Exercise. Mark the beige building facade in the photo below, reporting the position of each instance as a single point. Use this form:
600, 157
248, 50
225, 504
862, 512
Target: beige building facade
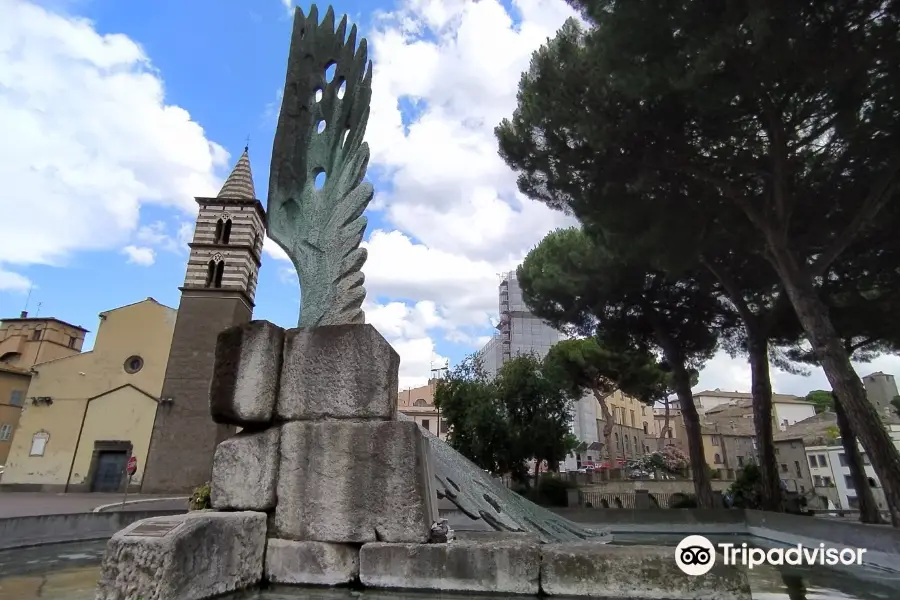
24, 342
793, 465
27, 341
418, 404
636, 429
13, 387
86, 415
786, 409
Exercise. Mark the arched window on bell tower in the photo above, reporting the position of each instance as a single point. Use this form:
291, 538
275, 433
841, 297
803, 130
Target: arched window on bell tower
210, 273
223, 231
215, 270
220, 271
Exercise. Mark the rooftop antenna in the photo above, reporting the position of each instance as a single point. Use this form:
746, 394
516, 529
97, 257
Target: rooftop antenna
38, 313
27, 300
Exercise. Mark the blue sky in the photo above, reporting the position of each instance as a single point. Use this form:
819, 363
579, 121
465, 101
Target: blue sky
115, 114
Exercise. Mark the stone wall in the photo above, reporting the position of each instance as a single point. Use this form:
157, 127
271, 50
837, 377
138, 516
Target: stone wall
679, 486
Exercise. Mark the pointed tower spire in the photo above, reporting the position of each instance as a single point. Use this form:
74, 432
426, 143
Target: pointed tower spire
239, 185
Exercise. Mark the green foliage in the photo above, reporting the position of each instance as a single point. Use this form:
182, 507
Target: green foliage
537, 409
823, 401
753, 138
500, 424
478, 426
200, 498
745, 492
575, 282
896, 404
593, 365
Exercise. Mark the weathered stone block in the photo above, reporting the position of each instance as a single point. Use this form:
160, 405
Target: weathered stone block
311, 563
245, 378
245, 471
507, 567
185, 557
634, 572
338, 371
353, 482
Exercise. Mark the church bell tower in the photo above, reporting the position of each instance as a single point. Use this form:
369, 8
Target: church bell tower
218, 292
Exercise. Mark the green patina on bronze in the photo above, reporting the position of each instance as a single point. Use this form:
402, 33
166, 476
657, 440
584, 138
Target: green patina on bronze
321, 229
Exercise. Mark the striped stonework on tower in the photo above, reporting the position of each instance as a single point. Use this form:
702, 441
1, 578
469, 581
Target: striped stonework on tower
228, 238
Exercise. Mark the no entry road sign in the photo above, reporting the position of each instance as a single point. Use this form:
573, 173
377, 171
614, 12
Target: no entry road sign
132, 465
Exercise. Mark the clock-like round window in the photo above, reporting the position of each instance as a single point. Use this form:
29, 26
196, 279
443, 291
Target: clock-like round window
133, 364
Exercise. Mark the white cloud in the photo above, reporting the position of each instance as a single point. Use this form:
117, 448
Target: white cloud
139, 255
87, 139
13, 282
157, 235
409, 329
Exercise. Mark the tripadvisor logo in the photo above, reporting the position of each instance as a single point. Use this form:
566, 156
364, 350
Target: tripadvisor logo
696, 555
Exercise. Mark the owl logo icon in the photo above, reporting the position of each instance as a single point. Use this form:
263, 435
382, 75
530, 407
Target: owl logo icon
695, 555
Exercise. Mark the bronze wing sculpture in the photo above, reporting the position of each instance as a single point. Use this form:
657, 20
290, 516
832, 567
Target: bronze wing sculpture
320, 135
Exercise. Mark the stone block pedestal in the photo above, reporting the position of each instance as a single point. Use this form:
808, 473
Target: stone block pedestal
311, 563
245, 471
504, 566
354, 482
635, 572
338, 372
184, 557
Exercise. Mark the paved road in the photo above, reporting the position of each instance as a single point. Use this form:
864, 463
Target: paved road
25, 504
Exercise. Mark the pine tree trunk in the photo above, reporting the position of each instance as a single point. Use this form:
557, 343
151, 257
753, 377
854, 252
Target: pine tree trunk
681, 380
702, 482
666, 419
761, 389
868, 508
846, 384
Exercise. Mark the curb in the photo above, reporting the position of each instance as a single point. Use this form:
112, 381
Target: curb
106, 507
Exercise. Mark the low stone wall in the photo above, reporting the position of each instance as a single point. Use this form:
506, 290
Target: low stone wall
676, 486
20, 532
669, 521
